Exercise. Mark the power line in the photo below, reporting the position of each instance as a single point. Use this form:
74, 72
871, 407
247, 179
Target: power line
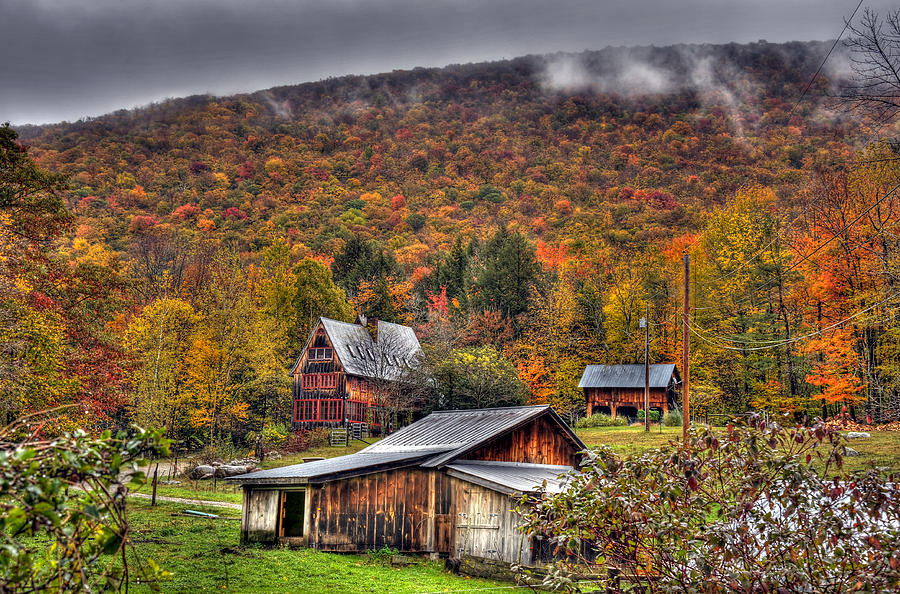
822, 65
695, 329
822, 245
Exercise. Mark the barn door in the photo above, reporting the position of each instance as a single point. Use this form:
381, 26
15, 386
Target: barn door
477, 525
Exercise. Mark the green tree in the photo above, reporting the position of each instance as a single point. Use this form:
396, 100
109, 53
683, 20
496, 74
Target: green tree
478, 377
505, 272
159, 340
315, 295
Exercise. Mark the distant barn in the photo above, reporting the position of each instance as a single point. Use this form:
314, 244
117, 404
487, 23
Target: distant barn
338, 374
448, 484
619, 389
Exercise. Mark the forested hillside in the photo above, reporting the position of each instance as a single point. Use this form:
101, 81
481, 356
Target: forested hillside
520, 214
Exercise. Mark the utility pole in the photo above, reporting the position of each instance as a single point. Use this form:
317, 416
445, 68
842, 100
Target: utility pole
686, 350
646, 323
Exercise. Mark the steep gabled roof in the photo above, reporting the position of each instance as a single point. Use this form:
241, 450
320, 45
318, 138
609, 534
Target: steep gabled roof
396, 347
435, 441
627, 376
457, 432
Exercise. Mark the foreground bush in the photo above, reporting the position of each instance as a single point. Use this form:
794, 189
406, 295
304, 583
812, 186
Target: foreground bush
749, 510
601, 420
62, 508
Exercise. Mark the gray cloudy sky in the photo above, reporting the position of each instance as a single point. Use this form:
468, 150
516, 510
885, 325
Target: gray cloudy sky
66, 59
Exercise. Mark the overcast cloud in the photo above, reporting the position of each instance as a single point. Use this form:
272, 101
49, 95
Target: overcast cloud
67, 59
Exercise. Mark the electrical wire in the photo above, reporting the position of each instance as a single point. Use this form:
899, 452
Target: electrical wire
822, 65
694, 329
822, 246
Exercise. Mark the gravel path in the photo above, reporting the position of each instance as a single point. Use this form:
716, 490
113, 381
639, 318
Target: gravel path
188, 501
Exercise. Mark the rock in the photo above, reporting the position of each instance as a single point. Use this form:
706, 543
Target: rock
273, 456
851, 452
401, 560
227, 470
857, 435
169, 482
202, 472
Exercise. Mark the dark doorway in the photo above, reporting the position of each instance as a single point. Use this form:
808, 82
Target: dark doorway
293, 508
627, 411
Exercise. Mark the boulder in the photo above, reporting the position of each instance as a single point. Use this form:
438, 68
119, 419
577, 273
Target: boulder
858, 435
227, 470
851, 452
204, 471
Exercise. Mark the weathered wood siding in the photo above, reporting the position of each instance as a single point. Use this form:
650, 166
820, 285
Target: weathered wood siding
539, 442
406, 509
259, 520
486, 525
614, 398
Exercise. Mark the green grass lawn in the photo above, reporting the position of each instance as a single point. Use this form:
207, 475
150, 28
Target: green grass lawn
204, 555
882, 449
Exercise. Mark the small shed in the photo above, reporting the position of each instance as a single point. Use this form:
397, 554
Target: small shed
449, 483
619, 389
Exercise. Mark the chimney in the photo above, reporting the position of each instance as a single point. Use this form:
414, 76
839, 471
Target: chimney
372, 327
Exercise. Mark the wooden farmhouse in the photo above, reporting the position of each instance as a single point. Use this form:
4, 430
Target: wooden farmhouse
337, 377
619, 389
446, 484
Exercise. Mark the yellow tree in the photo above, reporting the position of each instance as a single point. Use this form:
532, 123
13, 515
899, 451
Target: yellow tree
234, 368
159, 340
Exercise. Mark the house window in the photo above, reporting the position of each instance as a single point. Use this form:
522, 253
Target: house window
321, 354
320, 381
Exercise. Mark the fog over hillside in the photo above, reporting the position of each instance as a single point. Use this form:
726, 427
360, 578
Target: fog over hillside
64, 60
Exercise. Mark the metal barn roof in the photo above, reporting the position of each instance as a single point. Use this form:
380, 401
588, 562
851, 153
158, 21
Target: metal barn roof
460, 431
438, 439
396, 347
627, 376
339, 467
514, 478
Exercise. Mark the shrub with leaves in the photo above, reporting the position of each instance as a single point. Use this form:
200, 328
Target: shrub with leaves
62, 509
755, 509
672, 419
600, 420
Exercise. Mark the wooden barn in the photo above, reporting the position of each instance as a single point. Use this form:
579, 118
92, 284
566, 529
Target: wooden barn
446, 484
337, 376
619, 389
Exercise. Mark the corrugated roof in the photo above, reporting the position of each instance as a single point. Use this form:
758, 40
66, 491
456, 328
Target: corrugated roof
396, 347
514, 478
627, 376
476, 427
451, 429
459, 431
341, 466
434, 441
